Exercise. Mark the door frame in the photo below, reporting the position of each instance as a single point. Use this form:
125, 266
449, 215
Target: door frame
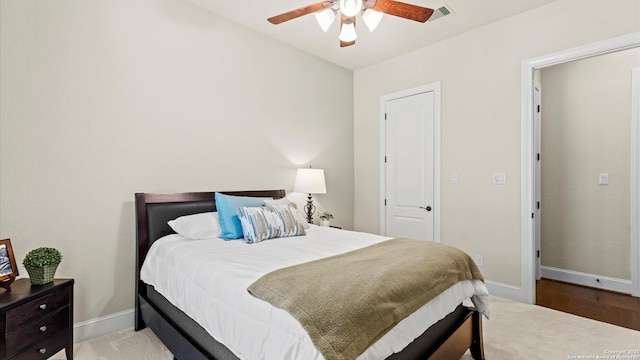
437, 107
635, 182
629, 41
537, 137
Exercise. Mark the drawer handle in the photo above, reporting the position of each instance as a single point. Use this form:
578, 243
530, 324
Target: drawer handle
43, 306
42, 351
43, 328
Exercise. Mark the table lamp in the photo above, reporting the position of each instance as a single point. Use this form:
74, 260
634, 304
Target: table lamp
310, 181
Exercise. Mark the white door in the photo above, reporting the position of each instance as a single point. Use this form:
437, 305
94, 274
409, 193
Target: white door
409, 166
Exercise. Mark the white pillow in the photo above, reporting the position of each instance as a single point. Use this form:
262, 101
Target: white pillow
197, 226
285, 201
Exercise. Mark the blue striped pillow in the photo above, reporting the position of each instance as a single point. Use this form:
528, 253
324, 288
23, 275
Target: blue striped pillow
261, 223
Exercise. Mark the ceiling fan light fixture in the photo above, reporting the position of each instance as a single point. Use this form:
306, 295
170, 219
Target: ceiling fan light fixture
350, 7
327, 10
371, 18
348, 31
325, 18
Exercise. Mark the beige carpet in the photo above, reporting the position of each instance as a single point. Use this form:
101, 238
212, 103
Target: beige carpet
521, 331
515, 331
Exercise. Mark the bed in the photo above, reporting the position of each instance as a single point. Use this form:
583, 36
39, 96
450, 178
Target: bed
448, 337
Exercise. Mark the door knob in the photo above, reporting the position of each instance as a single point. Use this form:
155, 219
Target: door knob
428, 208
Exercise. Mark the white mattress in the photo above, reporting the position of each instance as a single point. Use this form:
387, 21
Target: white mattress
208, 280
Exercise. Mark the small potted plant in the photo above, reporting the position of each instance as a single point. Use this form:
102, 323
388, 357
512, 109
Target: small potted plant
325, 218
41, 264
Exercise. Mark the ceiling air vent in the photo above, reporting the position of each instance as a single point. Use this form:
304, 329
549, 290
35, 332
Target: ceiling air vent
441, 12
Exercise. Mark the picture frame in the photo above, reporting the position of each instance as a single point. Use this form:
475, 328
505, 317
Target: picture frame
8, 267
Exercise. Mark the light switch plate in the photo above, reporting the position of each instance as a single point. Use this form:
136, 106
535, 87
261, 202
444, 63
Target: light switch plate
499, 178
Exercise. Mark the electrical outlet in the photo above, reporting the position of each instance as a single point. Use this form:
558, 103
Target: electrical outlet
603, 179
479, 260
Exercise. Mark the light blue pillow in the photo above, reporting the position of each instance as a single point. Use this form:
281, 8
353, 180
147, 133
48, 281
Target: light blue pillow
229, 221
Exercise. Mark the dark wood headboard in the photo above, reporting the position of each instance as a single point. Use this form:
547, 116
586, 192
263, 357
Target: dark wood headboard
154, 210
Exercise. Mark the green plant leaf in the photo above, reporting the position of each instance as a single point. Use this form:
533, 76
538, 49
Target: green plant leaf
42, 256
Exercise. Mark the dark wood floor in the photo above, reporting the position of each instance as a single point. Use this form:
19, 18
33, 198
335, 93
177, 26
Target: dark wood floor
607, 306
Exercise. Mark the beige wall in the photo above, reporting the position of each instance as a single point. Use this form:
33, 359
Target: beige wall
100, 99
481, 115
586, 129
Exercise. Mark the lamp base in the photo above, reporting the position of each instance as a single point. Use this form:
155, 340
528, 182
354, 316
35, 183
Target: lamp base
309, 209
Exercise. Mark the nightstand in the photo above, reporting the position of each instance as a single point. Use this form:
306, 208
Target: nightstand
36, 321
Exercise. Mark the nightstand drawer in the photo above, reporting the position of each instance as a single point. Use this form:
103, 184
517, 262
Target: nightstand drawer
37, 331
45, 348
35, 309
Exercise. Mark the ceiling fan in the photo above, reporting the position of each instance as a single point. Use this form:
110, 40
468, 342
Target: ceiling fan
370, 10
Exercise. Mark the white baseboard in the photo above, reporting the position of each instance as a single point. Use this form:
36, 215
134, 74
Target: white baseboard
596, 281
505, 291
103, 325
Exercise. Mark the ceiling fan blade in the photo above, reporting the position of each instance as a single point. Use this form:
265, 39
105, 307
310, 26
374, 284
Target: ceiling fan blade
342, 19
278, 19
403, 10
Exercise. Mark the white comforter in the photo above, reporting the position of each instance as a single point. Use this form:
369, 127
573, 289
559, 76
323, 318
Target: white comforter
208, 280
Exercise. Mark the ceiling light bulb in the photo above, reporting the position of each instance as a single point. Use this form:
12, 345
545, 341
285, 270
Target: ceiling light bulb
325, 18
350, 7
348, 31
371, 18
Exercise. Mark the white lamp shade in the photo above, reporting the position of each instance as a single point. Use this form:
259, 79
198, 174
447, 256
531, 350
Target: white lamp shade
350, 7
371, 18
310, 181
325, 18
348, 31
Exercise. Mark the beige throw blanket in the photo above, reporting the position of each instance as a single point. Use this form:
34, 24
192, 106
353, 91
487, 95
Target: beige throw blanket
347, 302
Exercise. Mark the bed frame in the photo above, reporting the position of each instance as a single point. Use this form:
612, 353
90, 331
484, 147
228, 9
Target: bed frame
447, 339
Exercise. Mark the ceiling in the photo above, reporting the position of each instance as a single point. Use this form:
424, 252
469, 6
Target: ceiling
394, 36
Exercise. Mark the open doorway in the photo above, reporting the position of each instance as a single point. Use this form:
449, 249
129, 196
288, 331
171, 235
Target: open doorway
529, 201
583, 187
583, 173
